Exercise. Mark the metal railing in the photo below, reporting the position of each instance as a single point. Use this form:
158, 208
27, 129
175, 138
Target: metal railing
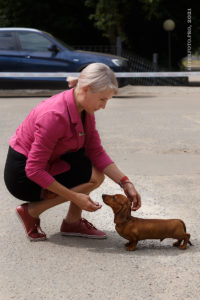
137, 64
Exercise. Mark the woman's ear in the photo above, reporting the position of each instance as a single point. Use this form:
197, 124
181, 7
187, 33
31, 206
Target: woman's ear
85, 88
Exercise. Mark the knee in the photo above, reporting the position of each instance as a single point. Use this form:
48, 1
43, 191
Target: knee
97, 179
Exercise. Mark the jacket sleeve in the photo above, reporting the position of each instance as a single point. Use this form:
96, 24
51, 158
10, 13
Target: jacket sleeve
48, 129
94, 149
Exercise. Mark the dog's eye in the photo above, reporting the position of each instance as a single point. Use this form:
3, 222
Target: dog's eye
114, 198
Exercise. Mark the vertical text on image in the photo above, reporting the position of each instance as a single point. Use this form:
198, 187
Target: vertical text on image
189, 39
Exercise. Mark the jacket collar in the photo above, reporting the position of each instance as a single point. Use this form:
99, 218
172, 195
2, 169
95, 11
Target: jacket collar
72, 108
74, 115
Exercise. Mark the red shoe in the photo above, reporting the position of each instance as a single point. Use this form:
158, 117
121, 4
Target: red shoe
31, 225
81, 228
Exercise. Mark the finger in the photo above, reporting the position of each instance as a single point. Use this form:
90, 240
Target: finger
93, 202
96, 204
95, 207
139, 200
134, 203
132, 206
137, 203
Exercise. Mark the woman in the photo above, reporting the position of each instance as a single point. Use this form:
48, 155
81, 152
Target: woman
56, 156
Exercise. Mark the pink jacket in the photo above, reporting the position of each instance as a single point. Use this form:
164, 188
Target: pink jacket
51, 129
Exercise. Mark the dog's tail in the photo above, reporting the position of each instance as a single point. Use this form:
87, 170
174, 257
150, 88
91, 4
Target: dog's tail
185, 232
183, 225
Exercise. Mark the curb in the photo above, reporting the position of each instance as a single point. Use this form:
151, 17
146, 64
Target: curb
127, 91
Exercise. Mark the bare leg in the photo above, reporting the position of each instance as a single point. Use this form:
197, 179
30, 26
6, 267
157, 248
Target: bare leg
74, 212
36, 208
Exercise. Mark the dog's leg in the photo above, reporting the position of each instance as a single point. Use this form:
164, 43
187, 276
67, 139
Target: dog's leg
131, 245
177, 243
186, 240
127, 244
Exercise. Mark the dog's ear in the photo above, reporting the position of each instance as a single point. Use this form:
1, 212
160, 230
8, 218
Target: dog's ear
122, 215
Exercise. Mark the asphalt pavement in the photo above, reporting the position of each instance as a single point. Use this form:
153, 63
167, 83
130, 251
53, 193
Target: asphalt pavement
153, 134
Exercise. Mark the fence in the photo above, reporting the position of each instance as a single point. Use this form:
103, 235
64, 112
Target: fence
141, 70
137, 64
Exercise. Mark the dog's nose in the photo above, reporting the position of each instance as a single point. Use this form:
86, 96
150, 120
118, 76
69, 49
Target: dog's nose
104, 195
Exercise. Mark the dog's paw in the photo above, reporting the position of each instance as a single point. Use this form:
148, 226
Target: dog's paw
183, 247
131, 247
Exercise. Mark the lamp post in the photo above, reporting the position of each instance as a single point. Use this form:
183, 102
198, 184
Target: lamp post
169, 26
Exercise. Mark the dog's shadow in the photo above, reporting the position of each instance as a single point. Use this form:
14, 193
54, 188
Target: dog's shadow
116, 244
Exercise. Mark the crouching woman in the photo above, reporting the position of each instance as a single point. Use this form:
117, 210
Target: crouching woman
56, 156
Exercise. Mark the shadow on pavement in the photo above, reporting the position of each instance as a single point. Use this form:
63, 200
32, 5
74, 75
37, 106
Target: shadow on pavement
134, 96
115, 244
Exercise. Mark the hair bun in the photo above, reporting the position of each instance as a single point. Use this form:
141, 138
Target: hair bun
72, 81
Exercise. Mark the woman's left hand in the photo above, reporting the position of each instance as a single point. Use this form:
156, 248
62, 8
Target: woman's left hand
132, 195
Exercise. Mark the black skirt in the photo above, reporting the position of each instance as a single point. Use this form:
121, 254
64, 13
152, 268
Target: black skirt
21, 187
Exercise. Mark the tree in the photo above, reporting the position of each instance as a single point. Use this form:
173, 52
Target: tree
108, 17
140, 24
67, 20
86, 22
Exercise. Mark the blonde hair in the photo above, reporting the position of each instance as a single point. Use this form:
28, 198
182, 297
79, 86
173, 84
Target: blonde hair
99, 77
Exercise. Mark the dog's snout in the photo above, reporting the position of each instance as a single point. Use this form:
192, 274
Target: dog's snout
104, 195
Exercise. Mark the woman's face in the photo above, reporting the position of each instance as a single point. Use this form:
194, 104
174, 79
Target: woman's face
92, 102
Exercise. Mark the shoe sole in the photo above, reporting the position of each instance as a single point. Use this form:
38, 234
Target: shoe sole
28, 237
83, 235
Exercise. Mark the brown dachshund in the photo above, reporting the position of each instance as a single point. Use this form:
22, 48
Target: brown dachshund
136, 229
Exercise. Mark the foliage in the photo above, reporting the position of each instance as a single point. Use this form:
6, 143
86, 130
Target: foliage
68, 20
108, 17
138, 22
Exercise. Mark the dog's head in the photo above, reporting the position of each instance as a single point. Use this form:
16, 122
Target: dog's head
120, 205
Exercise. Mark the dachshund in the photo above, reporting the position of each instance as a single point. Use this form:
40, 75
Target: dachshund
136, 229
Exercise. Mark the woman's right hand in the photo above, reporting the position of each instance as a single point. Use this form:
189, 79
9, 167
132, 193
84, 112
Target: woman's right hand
81, 200
86, 203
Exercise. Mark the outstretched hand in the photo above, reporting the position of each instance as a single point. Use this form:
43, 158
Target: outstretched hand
86, 203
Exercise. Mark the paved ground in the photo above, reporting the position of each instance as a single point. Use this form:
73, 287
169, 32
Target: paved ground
153, 135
